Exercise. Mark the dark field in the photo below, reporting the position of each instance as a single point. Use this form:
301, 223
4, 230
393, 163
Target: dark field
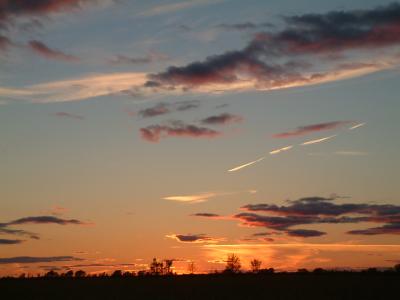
276, 286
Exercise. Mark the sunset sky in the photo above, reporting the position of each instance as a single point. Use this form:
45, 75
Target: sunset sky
189, 130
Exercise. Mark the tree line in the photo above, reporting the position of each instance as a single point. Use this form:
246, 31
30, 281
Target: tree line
165, 267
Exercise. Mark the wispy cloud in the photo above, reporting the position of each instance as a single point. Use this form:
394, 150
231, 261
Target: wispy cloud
196, 198
147, 59
318, 140
175, 7
351, 153
45, 51
64, 114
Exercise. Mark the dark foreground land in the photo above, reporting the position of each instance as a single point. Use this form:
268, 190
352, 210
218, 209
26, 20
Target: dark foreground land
275, 286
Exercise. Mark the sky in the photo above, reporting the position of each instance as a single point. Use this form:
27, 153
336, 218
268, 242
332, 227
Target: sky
188, 130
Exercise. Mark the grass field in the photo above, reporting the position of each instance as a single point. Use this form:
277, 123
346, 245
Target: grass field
245, 286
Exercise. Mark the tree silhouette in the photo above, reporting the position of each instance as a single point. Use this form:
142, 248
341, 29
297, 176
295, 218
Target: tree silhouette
51, 274
233, 264
156, 267
168, 265
191, 267
80, 274
255, 265
117, 273
397, 268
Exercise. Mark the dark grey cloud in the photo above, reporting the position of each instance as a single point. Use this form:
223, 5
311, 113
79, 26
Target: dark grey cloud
192, 238
307, 129
45, 220
33, 259
305, 233
319, 210
11, 10
166, 108
205, 215
222, 119
6, 230
154, 133
282, 57
10, 242
392, 228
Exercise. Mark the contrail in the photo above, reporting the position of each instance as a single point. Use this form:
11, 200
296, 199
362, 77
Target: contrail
280, 150
357, 126
319, 140
246, 165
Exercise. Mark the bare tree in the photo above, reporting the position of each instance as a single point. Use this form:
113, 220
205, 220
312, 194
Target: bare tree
233, 264
255, 265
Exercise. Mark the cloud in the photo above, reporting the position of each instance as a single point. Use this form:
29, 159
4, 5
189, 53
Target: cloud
6, 230
166, 108
43, 50
351, 153
206, 215
318, 140
305, 233
320, 210
244, 26
304, 130
77, 89
393, 228
27, 8
33, 260
246, 165
10, 242
154, 133
45, 220
156, 110
149, 58
192, 198
175, 7
222, 119
286, 58
64, 114
280, 150
193, 238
